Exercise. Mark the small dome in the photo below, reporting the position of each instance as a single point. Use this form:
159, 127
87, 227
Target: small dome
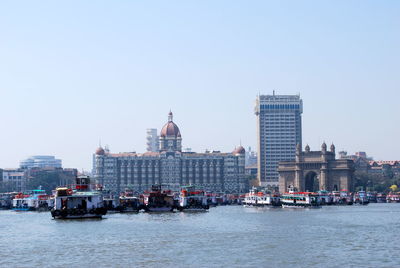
100, 151
307, 148
239, 150
323, 147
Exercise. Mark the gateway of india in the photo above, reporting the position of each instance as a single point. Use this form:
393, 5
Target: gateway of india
210, 171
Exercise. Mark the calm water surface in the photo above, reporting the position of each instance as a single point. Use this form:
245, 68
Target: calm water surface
231, 236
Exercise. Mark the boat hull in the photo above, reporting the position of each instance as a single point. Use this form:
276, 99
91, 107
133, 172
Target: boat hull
159, 209
72, 217
299, 206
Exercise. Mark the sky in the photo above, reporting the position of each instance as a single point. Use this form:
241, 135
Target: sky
74, 73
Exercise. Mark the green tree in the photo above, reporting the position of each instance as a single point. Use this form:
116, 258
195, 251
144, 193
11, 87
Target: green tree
48, 181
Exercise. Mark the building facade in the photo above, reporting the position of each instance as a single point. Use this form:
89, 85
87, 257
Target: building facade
14, 180
152, 139
316, 170
41, 161
211, 171
278, 133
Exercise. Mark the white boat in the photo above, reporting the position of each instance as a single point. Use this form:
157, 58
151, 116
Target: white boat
78, 202
192, 200
294, 199
261, 198
34, 200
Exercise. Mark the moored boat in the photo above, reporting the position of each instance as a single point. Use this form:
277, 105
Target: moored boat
128, 202
34, 200
294, 199
192, 200
361, 198
158, 200
78, 202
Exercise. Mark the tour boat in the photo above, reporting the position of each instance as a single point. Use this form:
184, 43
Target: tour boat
293, 199
78, 202
192, 200
372, 197
261, 198
6, 200
128, 202
325, 198
361, 198
251, 198
381, 198
393, 198
35, 200
158, 200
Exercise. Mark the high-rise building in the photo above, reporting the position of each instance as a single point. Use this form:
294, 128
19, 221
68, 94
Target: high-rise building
152, 140
278, 133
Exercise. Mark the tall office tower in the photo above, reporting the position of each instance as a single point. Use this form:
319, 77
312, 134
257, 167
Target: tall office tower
278, 133
152, 140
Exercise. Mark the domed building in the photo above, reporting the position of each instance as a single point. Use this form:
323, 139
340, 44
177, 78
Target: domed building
170, 136
211, 171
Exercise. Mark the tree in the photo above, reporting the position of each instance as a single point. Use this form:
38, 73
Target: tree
48, 181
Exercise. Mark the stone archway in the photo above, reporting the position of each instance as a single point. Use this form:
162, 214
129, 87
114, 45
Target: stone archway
312, 182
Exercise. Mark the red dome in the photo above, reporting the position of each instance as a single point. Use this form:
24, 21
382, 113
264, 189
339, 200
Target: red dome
100, 151
170, 129
239, 150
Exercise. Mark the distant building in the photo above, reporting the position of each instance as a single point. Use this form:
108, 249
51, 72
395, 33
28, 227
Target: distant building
251, 157
152, 140
14, 180
315, 171
40, 161
385, 168
361, 160
210, 171
278, 133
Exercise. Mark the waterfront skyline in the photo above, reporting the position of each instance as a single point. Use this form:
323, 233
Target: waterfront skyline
73, 74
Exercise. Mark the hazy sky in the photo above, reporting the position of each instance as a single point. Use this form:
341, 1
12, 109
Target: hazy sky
75, 72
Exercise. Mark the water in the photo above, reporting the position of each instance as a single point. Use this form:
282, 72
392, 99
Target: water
231, 236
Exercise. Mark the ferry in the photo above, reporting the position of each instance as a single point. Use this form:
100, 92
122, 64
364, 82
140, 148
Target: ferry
325, 198
393, 198
6, 200
35, 200
294, 199
381, 198
192, 200
261, 198
158, 200
251, 198
78, 202
128, 202
361, 198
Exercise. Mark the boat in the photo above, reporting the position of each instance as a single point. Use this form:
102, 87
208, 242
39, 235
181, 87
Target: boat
78, 201
381, 198
361, 198
393, 198
34, 200
6, 200
325, 198
128, 202
372, 197
192, 200
158, 200
251, 198
261, 197
294, 199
